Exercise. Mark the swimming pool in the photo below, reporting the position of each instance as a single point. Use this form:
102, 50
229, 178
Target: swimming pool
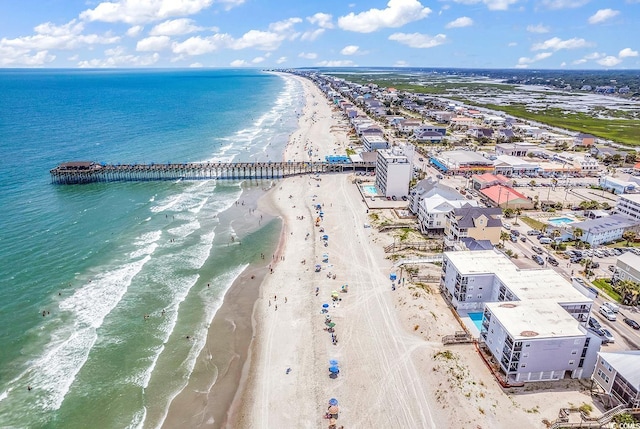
476, 318
370, 189
559, 221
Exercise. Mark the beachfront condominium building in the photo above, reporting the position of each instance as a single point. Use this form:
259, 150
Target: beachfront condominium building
374, 142
629, 205
618, 374
480, 223
533, 319
393, 172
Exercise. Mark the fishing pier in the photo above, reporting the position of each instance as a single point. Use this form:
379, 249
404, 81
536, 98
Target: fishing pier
70, 173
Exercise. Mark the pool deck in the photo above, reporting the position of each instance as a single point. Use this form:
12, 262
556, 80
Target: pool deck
471, 327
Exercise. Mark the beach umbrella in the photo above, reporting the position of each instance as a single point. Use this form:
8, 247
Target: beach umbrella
333, 401
334, 409
333, 362
334, 369
325, 305
392, 276
331, 324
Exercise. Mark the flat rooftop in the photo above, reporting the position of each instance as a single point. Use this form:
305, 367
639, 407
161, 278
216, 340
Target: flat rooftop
528, 320
526, 284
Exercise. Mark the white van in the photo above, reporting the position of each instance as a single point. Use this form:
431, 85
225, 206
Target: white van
545, 240
611, 306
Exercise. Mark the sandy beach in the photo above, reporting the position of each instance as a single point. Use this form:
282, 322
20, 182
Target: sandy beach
393, 369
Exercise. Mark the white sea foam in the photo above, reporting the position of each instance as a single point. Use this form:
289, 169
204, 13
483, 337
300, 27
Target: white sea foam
185, 229
57, 368
137, 422
212, 306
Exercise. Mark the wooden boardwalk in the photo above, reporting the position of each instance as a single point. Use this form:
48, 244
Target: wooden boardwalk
90, 172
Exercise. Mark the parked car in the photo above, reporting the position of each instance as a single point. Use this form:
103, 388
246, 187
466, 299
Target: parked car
607, 336
506, 225
537, 249
513, 238
611, 306
632, 323
538, 259
608, 314
545, 240
594, 323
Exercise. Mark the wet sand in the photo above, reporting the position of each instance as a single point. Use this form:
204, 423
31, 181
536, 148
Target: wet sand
207, 398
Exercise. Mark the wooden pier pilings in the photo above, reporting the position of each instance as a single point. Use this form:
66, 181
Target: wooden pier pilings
90, 172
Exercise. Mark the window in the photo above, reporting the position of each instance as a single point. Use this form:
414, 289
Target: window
479, 296
524, 365
574, 352
527, 345
571, 362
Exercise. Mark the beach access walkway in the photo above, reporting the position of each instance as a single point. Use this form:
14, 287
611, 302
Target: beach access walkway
76, 172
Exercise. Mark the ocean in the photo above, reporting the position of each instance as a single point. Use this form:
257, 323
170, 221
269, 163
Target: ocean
101, 283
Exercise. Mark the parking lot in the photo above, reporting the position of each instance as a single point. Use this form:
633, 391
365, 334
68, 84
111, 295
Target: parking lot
625, 336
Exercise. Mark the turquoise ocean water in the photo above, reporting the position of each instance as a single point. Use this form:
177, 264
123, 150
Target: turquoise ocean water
95, 258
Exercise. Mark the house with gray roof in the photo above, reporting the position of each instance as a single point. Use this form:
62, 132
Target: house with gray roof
481, 223
602, 230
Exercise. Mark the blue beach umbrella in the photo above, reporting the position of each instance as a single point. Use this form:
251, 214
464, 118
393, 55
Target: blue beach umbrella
392, 276
333, 401
333, 362
334, 369
325, 305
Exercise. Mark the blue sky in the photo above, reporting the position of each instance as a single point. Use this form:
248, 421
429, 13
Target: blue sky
550, 34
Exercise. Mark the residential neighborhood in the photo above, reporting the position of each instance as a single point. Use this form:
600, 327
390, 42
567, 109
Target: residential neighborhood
539, 228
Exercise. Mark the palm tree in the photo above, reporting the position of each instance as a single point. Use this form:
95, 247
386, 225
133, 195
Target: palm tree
577, 233
504, 236
629, 290
518, 212
629, 236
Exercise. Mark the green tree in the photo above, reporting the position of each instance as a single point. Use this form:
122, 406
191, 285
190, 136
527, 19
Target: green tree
629, 291
518, 212
508, 212
504, 236
629, 236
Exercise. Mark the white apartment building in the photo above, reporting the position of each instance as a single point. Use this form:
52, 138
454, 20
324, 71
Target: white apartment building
585, 164
393, 172
627, 267
532, 320
374, 142
629, 205
618, 374
433, 211
604, 229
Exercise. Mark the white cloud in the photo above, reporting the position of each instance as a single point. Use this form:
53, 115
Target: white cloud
580, 61
609, 61
491, 4
281, 60
417, 40
19, 57
564, 4
555, 44
198, 45
594, 56
627, 52
238, 63
135, 31
336, 63
118, 57
602, 15
285, 26
312, 34
538, 57
397, 14
258, 60
137, 11
175, 27
308, 55
563, 64
401, 63
512, 44
322, 20
66, 37
263, 40
153, 43
196, 65
540, 29
350, 50
463, 21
